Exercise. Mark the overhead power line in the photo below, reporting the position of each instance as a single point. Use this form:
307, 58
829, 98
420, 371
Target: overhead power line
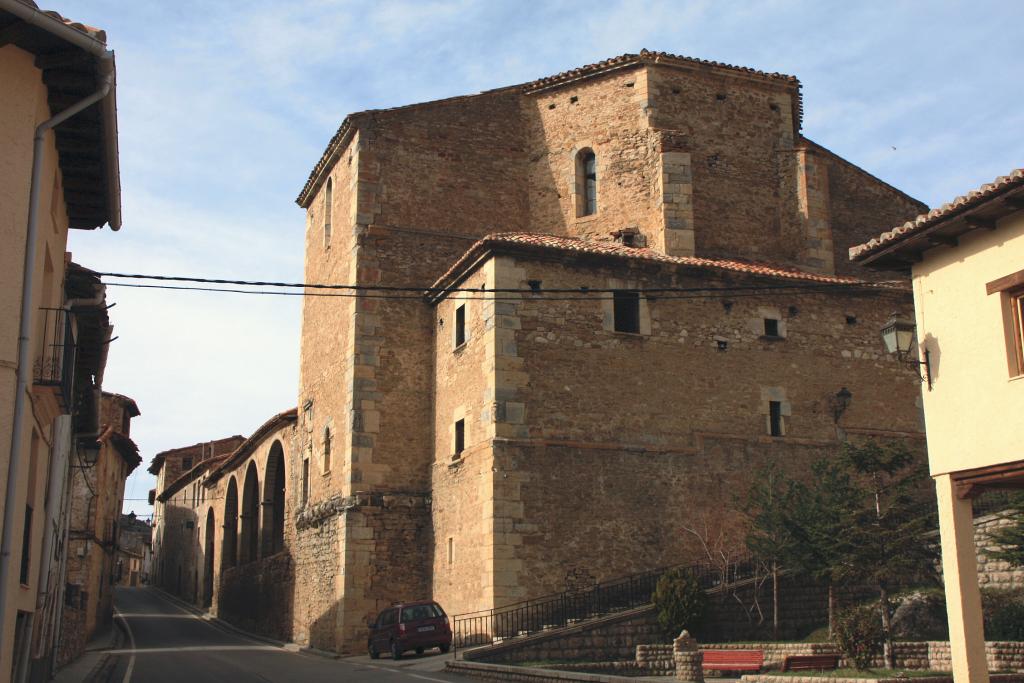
393, 292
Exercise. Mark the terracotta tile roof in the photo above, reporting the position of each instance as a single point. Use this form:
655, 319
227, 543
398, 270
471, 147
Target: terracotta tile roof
959, 205
190, 475
250, 444
347, 126
646, 57
91, 31
158, 459
572, 245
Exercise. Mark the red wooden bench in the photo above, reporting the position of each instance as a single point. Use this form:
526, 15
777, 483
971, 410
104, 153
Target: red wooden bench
733, 660
810, 662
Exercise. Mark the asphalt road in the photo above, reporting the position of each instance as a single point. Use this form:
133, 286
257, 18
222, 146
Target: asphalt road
168, 643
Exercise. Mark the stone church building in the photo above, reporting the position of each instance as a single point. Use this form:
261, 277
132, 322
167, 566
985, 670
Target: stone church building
592, 308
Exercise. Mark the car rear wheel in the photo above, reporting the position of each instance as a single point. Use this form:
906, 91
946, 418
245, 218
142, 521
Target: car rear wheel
419, 650
373, 652
395, 652
444, 648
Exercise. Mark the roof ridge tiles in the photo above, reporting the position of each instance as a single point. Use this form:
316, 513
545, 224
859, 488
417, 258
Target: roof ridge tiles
645, 56
962, 203
601, 248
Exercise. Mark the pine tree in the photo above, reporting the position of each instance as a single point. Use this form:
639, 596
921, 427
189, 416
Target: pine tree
1007, 542
767, 505
888, 541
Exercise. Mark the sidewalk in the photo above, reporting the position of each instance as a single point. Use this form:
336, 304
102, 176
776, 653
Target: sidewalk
94, 664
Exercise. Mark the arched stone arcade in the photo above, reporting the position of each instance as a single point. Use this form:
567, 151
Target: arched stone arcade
272, 526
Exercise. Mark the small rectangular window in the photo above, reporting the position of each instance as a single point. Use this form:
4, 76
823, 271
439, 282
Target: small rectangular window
775, 418
771, 327
460, 325
305, 479
460, 437
627, 311
186, 464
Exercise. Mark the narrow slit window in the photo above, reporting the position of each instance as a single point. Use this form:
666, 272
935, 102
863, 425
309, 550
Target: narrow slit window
451, 551
586, 182
327, 449
627, 311
771, 327
775, 418
328, 202
460, 437
460, 325
305, 480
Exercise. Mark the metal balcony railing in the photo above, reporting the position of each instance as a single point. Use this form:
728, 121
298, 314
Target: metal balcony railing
55, 366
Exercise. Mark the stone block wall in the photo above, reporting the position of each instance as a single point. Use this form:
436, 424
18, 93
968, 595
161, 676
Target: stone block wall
317, 558
994, 573
258, 596
609, 638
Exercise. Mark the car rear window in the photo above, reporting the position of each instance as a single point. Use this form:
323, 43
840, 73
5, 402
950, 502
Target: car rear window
418, 612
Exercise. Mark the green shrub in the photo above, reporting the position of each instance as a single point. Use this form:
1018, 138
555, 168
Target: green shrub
680, 601
857, 632
1004, 613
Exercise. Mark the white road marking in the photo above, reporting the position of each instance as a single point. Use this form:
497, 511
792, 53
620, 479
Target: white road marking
195, 648
131, 641
428, 678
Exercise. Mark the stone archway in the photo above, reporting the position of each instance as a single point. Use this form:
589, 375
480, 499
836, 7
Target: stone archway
208, 563
229, 547
249, 546
272, 528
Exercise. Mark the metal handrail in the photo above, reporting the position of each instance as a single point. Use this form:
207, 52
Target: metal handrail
486, 627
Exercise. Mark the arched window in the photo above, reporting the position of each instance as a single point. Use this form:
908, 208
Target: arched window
586, 183
327, 449
328, 202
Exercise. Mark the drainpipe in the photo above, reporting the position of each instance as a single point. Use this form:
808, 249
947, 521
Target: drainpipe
24, 377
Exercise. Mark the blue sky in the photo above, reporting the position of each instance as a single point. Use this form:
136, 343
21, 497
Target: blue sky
224, 107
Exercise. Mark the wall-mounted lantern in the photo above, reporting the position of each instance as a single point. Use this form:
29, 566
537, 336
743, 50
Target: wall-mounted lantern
898, 335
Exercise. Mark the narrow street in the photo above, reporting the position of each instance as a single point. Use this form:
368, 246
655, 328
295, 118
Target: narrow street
169, 643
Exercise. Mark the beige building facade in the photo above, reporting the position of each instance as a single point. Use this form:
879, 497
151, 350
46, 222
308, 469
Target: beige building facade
590, 309
59, 170
966, 259
97, 496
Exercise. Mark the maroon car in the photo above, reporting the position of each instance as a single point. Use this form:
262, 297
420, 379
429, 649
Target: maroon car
409, 626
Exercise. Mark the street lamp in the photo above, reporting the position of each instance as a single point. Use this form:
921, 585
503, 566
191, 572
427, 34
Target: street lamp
898, 335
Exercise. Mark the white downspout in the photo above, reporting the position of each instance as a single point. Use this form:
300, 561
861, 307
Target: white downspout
24, 373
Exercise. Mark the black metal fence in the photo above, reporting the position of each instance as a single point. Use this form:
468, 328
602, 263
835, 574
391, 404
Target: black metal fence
562, 609
55, 365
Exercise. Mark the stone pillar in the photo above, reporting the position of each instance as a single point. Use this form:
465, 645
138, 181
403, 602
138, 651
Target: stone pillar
960, 574
688, 659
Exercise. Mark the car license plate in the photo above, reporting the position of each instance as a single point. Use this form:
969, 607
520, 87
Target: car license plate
421, 629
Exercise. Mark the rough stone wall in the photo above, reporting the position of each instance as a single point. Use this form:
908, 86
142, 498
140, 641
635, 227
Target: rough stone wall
462, 486
414, 186
608, 116
326, 362
609, 444
258, 596
736, 130
317, 573
607, 639
451, 166
991, 572
386, 540
861, 207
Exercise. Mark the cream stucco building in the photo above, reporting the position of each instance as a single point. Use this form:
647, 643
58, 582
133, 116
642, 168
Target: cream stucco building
967, 262
58, 170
